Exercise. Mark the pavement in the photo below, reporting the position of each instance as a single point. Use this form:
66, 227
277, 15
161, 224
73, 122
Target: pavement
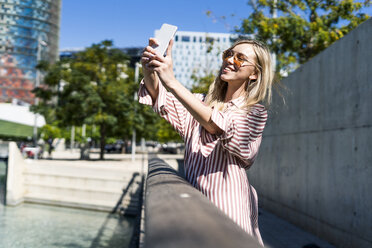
279, 233
276, 232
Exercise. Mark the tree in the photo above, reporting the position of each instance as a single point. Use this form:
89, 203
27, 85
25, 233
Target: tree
92, 88
201, 83
302, 28
165, 132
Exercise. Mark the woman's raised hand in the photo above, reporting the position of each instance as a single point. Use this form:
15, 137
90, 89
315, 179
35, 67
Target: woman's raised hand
147, 56
153, 61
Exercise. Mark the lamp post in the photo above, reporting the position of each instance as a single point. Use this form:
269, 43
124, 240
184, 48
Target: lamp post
136, 75
275, 15
40, 43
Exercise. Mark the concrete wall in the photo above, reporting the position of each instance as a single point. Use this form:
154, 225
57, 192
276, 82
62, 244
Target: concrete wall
15, 190
315, 163
75, 183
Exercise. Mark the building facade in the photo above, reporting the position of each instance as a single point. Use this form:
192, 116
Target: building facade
198, 53
29, 32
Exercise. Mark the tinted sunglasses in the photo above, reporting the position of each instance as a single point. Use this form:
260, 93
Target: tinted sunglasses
239, 58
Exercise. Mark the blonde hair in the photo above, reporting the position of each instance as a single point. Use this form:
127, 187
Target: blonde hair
256, 91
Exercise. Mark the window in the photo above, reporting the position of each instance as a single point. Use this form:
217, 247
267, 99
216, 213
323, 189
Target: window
176, 38
186, 38
194, 38
209, 39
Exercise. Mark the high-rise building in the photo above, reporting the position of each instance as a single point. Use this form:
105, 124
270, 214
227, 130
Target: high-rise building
29, 32
198, 53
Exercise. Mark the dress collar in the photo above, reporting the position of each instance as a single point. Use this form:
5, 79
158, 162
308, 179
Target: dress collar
238, 102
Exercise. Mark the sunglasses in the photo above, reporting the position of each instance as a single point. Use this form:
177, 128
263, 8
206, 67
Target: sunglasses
239, 58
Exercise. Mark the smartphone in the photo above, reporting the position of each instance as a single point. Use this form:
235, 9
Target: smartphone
164, 35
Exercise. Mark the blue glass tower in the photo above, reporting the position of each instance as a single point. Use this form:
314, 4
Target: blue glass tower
29, 31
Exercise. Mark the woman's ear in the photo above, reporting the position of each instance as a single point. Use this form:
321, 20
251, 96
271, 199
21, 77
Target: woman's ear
253, 77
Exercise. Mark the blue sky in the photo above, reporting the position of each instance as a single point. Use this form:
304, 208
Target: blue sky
132, 22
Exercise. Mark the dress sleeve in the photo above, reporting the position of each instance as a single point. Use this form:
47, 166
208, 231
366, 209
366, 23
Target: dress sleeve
166, 105
242, 132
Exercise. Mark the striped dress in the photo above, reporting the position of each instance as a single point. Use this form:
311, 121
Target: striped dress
216, 164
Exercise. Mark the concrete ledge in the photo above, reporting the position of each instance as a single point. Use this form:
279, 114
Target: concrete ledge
71, 204
177, 215
11, 201
100, 185
99, 205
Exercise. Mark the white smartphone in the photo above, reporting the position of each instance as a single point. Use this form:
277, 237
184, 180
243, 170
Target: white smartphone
164, 35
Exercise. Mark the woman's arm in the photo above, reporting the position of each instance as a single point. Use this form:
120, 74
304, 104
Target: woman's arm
164, 70
197, 109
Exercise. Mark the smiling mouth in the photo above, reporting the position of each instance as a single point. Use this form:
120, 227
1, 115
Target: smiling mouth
228, 69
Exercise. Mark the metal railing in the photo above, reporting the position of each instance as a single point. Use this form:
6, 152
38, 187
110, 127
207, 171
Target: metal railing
178, 215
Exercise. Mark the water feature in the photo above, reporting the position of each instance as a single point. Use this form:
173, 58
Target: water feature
33, 225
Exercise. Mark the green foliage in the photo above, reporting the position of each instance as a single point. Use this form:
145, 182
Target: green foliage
147, 126
95, 87
165, 132
201, 84
303, 28
50, 131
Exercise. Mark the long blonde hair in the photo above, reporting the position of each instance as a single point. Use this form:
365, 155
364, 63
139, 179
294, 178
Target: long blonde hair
256, 91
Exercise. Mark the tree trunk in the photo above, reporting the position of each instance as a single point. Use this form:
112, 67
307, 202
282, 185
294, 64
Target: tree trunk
103, 142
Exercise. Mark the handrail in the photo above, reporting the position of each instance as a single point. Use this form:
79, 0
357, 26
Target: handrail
178, 215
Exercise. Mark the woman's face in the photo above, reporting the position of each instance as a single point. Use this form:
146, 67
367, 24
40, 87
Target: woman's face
239, 64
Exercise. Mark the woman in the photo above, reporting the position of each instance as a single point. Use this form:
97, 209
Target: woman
222, 131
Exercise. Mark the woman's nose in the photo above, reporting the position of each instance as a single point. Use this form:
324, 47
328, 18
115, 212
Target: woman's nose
231, 60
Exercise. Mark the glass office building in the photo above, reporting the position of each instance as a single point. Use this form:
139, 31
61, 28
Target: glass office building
29, 31
199, 53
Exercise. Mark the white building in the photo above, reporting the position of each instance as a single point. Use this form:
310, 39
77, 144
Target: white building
20, 114
198, 53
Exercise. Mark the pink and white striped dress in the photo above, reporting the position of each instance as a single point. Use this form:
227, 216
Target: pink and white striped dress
216, 164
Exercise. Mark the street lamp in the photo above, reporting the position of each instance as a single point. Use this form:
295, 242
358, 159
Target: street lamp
136, 75
275, 15
40, 43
